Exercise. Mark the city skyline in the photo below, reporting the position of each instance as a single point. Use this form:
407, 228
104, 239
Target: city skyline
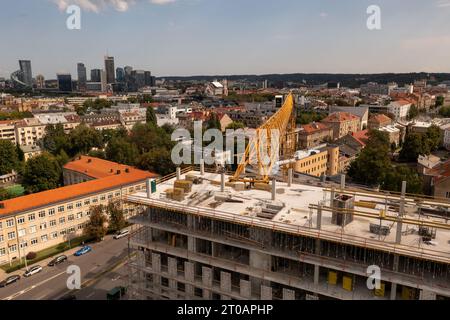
196, 37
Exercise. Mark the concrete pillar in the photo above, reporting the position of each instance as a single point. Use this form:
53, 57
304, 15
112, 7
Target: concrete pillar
202, 167
290, 176
149, 188
178, 173
266, 293
393, 291
189, 275
342, 181
259, 261
207, 282
191, 244
172, 269
222, 182
398, 237
288, 294
316, 274
427, 295
156, 262
245, 289
225, 281
172, 266
319, 217
274, 189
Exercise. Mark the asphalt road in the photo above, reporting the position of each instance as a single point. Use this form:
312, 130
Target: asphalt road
51, 283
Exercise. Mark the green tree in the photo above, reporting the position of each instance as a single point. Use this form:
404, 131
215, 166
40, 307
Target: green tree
83, 139
147, 137
235, 125
157, 160
20, 154
413, 112
97, 154
213, 122
9, 159
434, 137
395, 177
116, 216
55, 139
439, 101
151, 116
4, 194
415, 144
121, 151
445, 111
96, 228
42, 172
373, 163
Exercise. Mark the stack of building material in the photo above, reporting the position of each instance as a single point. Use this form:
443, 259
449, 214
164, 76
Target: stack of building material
263, 186
178, 194
194, 179
184, 184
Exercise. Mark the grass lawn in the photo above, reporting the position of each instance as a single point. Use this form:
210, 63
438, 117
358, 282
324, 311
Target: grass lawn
44, 254
15, 190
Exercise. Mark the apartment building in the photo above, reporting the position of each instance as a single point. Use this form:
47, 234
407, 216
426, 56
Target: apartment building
318, 162
314, 134
400, 109
217, 240
41, 220
379, 120
7, 130
342, 123
29, 131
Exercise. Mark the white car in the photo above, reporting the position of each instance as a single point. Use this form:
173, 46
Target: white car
121, 234
32, 270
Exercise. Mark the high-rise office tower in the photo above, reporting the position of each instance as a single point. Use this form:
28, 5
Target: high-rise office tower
120, 75
82, 78
148, 78
95, 75
27, 75
103, 80
109, 68
64, 82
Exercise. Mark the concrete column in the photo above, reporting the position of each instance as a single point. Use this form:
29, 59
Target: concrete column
245, 289
191, 244
266, 293
398, 237
172, 269
290, 176
274, 189
156, 262
288, 294
178, 173
259, 261
222, 182
149, 188
189, 276
342, 181
316, 274
319, 217
202, 167
225, 281
393, 291
427, 295
207, 282
189, 273
172, 266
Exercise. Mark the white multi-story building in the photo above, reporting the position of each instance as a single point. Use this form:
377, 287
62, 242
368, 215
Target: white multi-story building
7, 130
400, 109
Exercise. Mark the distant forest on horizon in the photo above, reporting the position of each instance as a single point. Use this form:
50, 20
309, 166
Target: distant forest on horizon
347, 80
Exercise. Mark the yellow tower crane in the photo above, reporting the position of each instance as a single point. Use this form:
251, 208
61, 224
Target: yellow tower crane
274, 138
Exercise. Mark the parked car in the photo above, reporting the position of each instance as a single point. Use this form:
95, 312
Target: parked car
9, 280
83, 250
121, 234
32, 270
57, 260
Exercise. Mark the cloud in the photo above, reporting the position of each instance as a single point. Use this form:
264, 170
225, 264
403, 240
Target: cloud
443, 4
99, 5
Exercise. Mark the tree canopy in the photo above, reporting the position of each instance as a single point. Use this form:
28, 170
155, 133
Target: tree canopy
9, 159
41, 173
96, 228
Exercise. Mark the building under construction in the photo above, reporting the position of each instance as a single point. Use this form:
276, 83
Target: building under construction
202, 237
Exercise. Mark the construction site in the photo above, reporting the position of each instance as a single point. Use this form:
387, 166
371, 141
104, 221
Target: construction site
253, 235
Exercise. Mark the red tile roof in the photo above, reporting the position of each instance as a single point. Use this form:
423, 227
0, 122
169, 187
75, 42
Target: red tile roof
440, 172
36, 200
95, 167
361, 136
380, 118
314, 127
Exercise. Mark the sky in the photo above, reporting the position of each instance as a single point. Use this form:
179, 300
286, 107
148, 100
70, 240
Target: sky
223, 37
